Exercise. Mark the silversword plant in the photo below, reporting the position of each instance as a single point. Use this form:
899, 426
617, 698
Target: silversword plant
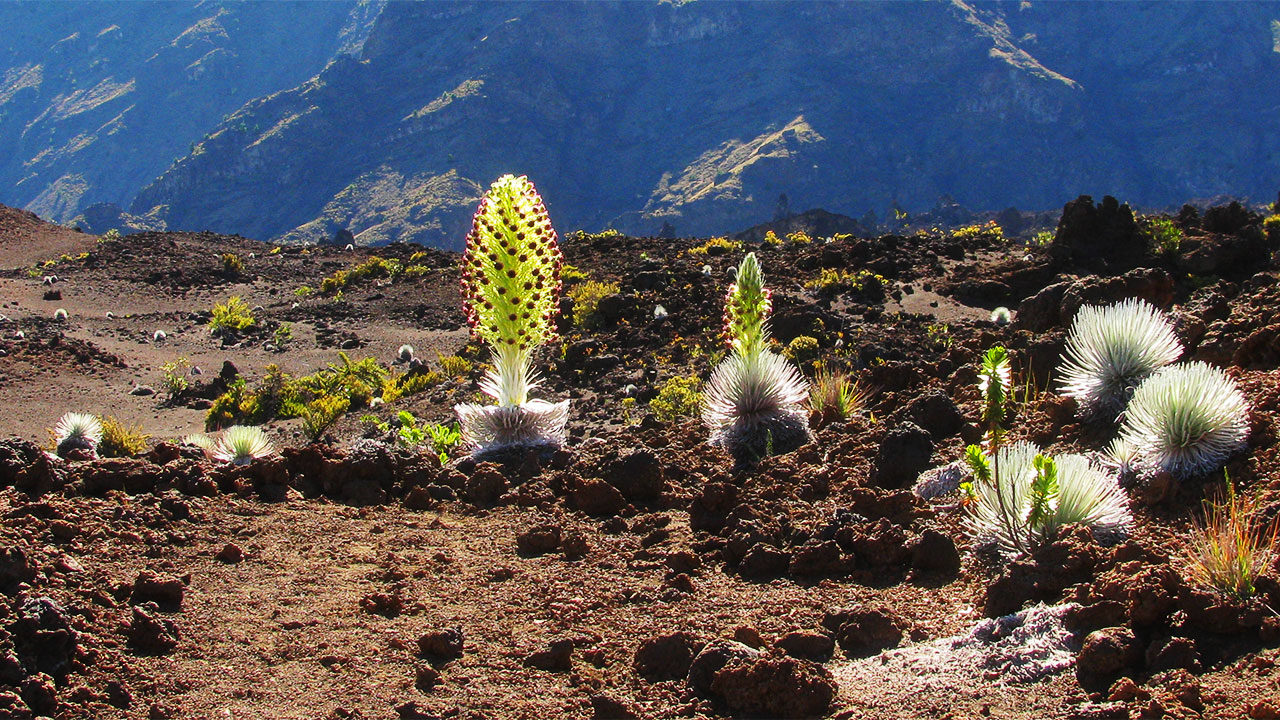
77, 431
1113, 348
754, 401
1185, 420
242, 444
1037, 494
511, 295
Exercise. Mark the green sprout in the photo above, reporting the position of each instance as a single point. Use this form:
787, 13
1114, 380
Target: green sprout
511, 295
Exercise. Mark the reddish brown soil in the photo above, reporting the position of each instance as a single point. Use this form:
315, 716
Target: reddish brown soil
306, 582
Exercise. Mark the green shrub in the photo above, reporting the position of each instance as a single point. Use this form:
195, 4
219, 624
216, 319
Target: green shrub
716, 246
799, 237
989, 229
586, 300
454, 366
831, 280
398, 386
234, 314
571, 274
111, 235
443, 439
677, 398
1044, 238
1272, 227
374, 267
1163, 237
802, 350
283, 335
321, 413
119, 441
173, 377
278, 395
232, 264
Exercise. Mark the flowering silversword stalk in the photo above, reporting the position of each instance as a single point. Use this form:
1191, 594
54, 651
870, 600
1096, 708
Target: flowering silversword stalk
754, 400
511, 295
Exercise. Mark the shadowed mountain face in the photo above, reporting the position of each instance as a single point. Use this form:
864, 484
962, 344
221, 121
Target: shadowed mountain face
98, 98
702, 114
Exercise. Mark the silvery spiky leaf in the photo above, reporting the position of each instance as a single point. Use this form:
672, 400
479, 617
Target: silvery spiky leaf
242, 444
1121, 456
1113, 348
754, 404
77, 431
202, 441
1086, 495
1186, 420
490, 428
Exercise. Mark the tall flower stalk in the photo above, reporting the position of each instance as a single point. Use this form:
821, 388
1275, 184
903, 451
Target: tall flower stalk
754, 401
511, 295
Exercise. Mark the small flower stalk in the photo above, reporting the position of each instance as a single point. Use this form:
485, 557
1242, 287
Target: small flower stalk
511, 295
754, 402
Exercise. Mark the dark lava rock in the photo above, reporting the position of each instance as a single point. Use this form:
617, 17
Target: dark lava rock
865, 630
596, 497
486, 484
149, 633
40, 694
557, 657
612, 308
1106, 655
667, 657
904, 454
816, 558
638, 476
1172, 654
43, 638
574, 545
937, 413
935, 552
764, 562
607, 707
1098, 236
230, 553
713, 657
164, 590
26, 467
538, 540
1229, 219
385, 604
15, 568
808, 646
441, 644
775, 687
426, 678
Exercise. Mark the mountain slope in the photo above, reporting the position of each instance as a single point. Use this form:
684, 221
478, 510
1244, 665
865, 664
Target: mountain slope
702, 114
97, 99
